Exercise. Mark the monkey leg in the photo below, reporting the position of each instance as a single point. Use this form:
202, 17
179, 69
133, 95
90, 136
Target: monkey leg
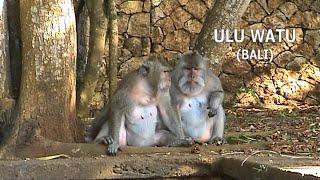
103, 136
218, 127
165, 138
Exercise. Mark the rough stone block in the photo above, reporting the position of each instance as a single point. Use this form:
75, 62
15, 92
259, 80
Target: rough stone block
166, 25
197, 8
123, 20
139, 25
134, 45
179, 17
131, 7
193, 26
178, 41
168, 6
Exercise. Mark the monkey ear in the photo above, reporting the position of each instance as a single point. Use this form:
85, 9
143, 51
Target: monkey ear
144, 70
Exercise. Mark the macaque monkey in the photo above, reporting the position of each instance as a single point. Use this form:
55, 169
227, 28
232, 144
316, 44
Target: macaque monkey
139, 113
197, 95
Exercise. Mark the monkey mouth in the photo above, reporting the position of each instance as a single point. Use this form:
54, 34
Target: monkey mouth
164, 86
192, 82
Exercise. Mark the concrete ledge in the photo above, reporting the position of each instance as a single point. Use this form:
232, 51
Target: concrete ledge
161, 165
86, 162
106, 168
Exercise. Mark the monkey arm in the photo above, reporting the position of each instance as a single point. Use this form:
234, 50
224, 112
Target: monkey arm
216, 99
218, 121
217, 117
170, 116
177, 119
216, 113
173, 121
216, 93
116, 118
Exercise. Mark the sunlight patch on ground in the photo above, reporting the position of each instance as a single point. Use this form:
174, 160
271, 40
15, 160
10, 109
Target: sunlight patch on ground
304, 170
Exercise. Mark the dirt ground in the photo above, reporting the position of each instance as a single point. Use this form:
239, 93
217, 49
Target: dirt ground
278, 138
292, 132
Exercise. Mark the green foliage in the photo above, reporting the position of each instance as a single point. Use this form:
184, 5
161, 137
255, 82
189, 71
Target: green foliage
287, 113
260, 169
242, 138
249, 90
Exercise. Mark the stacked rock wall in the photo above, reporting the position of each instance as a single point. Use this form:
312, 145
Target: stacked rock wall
158, 26
293, 77
171, 26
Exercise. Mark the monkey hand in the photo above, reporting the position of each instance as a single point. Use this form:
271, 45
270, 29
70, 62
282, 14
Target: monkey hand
104, 140
213, 108
217, 141
113, 149
108, 140
101, 140
212, 111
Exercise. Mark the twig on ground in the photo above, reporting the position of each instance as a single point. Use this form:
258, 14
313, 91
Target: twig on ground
273, 152
232, 153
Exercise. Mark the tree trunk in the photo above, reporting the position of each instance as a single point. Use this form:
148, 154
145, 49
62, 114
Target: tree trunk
223, 15
113, 47
6, 101
46, 106
79, 6
98, 26
14, 45
83, 34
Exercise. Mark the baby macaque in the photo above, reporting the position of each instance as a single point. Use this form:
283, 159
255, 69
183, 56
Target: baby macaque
198, 96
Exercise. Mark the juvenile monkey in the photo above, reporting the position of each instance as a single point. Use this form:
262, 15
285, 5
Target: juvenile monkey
198, 96
140, 113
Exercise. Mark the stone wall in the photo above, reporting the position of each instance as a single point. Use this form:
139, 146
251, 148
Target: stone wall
293, 77
171, 26
158, 26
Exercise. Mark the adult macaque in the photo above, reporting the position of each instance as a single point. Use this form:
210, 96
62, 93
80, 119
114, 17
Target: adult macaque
198, 96
140, 112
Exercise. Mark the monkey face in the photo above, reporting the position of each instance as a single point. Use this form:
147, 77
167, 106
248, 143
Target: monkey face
165, 79
161, 74
156, 72
192, 80
142, 92
192, 74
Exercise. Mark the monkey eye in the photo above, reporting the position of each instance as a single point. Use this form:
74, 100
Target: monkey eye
167, 71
